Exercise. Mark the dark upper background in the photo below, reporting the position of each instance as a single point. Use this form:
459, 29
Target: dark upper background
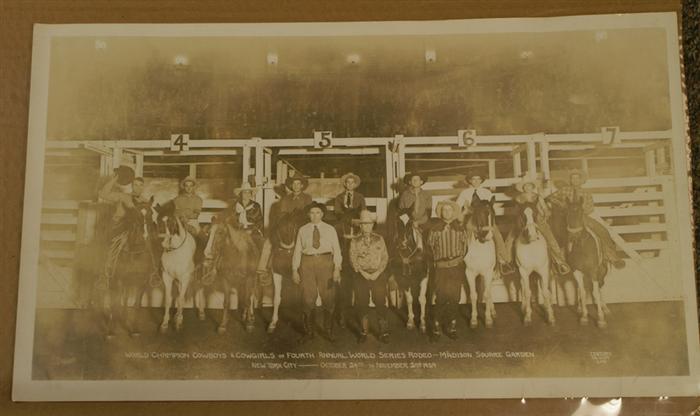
566, 82
16, 19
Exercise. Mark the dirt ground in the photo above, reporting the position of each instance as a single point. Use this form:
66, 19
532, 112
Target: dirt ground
642, 339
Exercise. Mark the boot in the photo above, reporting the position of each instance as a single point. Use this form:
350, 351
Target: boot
436, 329
365, 330
341, 318
307, 323
328, 325
384, 331
452, 329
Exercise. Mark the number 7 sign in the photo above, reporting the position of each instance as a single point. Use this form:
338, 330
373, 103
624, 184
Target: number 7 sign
179, 142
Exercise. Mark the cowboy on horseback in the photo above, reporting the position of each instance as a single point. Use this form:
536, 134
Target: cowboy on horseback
116, 192
249, 213
528, 194
464, 200
188, 205
573, 192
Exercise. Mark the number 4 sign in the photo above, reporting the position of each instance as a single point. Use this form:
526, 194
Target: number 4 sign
179, 142
323, 139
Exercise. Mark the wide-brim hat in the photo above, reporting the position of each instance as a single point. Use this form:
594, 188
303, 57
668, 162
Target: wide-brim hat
350, 175
583, 175
366, 217
245, 187
187, 179
519, 186
290, 180
474, 173
315, 204
125, 175
442, 204
408, 176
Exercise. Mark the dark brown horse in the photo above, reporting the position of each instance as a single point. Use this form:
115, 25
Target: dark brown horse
232, 256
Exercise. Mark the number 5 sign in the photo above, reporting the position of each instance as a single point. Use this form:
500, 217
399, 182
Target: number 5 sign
323, 139
179, 142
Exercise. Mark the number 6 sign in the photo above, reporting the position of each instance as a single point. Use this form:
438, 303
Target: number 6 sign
179, 142
466, 138
323, 139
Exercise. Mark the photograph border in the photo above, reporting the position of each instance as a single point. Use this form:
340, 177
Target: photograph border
26, 389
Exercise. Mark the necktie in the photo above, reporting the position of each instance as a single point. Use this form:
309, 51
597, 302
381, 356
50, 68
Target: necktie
348, 200
316, 242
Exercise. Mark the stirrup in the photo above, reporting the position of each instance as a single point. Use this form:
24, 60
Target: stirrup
506, 268
563, 268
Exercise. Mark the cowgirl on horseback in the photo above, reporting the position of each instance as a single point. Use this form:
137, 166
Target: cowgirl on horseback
528, 194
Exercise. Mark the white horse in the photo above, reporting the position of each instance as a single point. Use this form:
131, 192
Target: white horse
481, 257
178, 268
531, 256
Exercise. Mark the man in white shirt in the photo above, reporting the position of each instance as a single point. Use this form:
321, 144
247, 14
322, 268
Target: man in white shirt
464, 200
316, 265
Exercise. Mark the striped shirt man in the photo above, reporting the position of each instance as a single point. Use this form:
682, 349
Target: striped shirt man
448, 240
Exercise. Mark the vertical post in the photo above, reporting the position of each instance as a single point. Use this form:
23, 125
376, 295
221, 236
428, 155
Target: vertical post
390, 177
492, 169
650, 162
139, 164
400, 157
104, 168
246, 162
259, 167
193, 170
544, 156
531, 158
517, 165
116, 157
584, 166
661, 160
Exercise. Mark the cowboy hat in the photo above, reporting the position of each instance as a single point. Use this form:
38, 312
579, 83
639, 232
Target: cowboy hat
290, 180
315, 204
475, 173
520, 186
442, 204
245, 187
350, 175
187, 179
580, 173
125, 175
366, 217
408, 176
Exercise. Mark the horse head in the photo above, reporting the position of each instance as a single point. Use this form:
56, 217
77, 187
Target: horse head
482, 217
408, 239
527, 224
574, 217
285, 230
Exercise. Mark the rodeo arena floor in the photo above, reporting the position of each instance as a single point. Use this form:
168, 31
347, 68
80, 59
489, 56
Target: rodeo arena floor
634, 198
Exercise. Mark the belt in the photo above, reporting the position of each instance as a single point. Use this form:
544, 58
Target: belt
447, 263
317, 254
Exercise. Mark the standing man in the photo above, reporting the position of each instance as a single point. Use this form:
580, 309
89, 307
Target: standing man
346, 207
417, 199
448, 241
369, 258
316, 265
572, 192
188, 205
464, 200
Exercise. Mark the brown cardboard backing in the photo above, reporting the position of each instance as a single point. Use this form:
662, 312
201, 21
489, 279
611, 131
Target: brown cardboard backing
16, 20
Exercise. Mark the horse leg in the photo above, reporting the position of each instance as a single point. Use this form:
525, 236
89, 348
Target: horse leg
131, 317
181, 303
168, 295
525, 296
489, 310
471, 281
250, 306
423, 300
581, 290
599, 303
410, 319
547, 294
200, 301
276, 300
226, 289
